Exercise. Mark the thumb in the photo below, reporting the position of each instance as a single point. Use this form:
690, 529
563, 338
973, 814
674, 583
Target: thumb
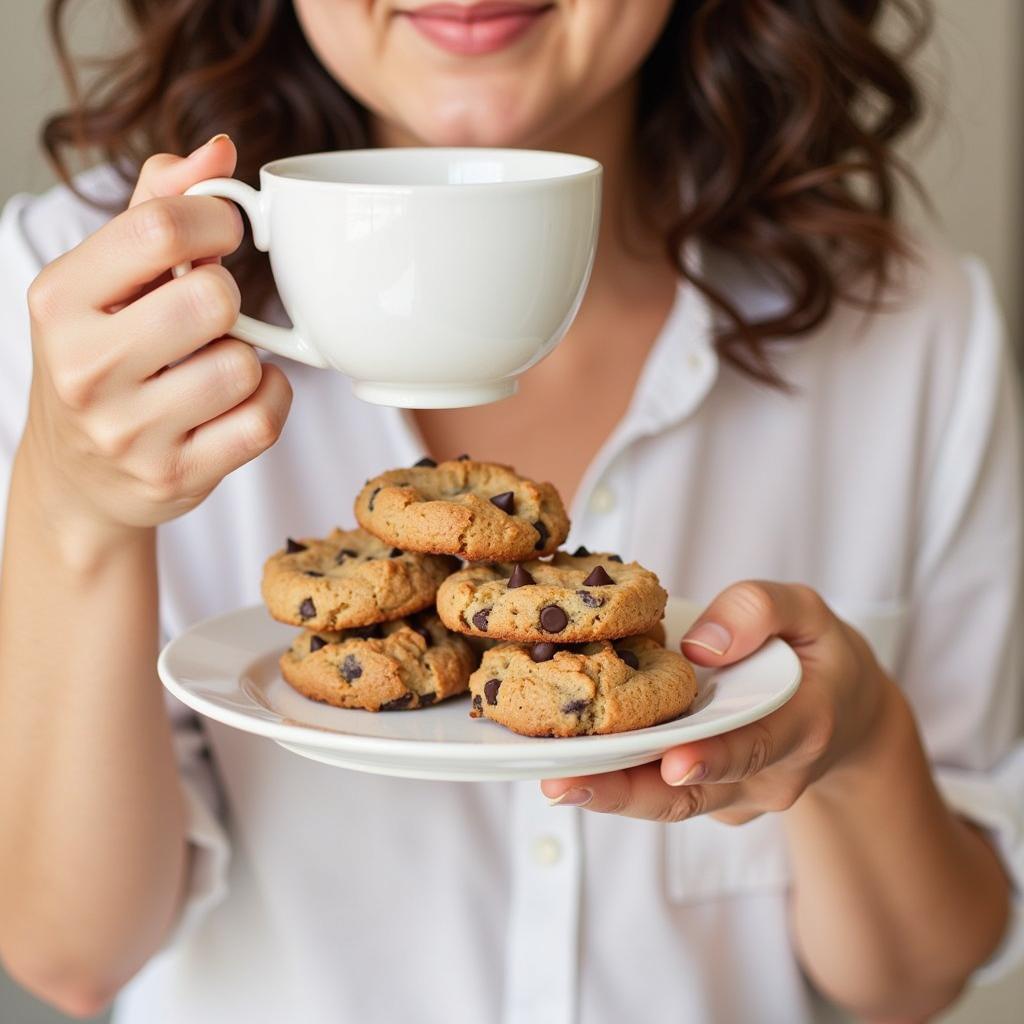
168, 175
745, 615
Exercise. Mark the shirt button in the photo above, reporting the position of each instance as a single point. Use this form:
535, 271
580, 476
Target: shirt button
547, 850
602, 500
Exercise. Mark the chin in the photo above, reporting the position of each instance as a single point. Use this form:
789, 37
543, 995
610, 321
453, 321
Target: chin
482, 121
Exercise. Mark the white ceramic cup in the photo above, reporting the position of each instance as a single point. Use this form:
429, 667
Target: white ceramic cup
431, 277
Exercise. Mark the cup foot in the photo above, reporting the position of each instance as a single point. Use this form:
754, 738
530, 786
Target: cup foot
433, 396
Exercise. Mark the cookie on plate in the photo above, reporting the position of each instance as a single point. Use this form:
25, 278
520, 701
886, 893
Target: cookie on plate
546, 690
396, 666
349, 579
571, 599
475, 510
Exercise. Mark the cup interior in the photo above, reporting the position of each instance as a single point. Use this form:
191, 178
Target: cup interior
433, 167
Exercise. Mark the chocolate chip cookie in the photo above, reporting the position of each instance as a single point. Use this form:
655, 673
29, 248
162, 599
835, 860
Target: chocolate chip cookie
475, 510
550, 690
348, 579
571, 599
397, 666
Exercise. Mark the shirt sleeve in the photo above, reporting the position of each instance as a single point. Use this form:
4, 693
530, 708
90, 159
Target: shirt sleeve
34, 231
961, 660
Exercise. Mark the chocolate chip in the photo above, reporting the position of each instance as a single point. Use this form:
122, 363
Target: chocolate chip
345, 553
462, 458
542, 652
430, 464
315, 643
574, 707
628, 657
542, 536
590, 600
293, 547
580, 552
396, 553
373, 497
423, 632
312, 572
520, 578
491, 688
506, 501
615, 558
427, 698
307, 609
350, 668
398, 703
553, 619
598, 578
480, 619
477, 702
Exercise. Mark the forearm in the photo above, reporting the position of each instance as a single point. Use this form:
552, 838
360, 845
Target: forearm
93, 856
895, 899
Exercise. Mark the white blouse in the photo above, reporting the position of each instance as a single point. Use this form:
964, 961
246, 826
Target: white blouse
889, 479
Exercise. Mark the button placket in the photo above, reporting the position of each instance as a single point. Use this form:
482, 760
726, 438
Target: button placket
542, 970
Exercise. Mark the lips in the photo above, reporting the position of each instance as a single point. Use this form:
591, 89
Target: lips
477, 29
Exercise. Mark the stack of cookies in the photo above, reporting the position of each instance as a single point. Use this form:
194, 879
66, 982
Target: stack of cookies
566, 644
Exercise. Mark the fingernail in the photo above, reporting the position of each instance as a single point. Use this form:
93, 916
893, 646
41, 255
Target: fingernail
209, 143
573, 798
711, 636
695, 774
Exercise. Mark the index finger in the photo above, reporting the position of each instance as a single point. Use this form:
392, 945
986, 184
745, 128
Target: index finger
166, 175
113, 265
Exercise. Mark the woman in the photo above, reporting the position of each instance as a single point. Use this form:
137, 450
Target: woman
769, 380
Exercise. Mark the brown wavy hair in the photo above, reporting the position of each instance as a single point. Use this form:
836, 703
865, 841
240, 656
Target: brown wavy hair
774, 120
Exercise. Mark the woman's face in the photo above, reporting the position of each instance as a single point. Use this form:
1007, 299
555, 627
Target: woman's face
491, 73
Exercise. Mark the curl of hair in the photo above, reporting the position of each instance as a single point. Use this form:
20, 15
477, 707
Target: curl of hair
765, 129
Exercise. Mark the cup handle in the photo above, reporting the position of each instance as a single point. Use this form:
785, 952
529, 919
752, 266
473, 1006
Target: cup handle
282, 341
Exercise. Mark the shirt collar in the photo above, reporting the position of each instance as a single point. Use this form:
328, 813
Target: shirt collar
681, 368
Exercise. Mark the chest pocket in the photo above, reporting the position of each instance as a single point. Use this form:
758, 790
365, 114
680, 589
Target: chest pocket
708, 860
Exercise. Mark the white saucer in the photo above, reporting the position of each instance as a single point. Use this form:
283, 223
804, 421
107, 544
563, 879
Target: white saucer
226, 668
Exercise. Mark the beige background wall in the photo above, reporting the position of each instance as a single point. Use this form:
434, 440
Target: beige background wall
970, 159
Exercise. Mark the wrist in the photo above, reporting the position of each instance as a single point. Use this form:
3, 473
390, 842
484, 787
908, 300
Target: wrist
889, 748
46, 498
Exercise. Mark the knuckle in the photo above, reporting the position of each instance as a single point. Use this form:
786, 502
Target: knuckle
752, 600
735, 818
74, 385
615, 795
159, 229
43, 297
689, 802
214, 297
783, 795
161, 482
760, 753
819, 736
262, 428
810, 599
237, 363
156, 165
109, 439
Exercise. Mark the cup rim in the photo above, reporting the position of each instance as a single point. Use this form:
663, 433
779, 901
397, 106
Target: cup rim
586, 167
